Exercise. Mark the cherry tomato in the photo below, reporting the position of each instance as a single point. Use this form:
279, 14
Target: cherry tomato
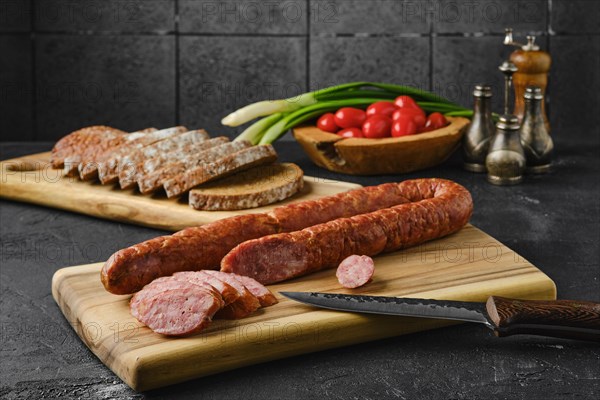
435, 121
377, 126
326, 122
349, 117
351, 133
404, 126
382, 108
417, 114
405, 102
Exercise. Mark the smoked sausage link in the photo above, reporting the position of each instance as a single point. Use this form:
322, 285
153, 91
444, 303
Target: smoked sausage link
129, 269
203, 247
437, 208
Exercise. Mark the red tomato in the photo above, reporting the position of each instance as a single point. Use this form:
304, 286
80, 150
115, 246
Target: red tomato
405, 102
377, 126
435, 121
326, 122
351, 133
404, 126
349, 117
381, 108
416, 113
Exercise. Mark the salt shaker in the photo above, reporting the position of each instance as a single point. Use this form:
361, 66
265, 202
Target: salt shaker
536, 140
476, 140
505, 161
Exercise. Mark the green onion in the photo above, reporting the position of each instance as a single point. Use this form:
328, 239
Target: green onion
282, 115
267, 107
465, 113
254, 132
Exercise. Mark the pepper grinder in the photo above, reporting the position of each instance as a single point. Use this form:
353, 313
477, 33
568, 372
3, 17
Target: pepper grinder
476, 140
536, 141
506, 161
533, 67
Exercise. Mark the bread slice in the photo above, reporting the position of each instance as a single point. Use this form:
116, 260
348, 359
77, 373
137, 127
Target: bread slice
129, 164
108, 167
256, 187
239, 161
88, 169
152, 182
76, 143
83, 144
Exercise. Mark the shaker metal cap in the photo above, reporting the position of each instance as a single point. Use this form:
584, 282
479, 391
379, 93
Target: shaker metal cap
533, 92
482, 90
508, 68
508, 122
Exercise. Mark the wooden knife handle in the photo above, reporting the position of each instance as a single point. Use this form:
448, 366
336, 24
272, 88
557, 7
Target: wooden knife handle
557, 318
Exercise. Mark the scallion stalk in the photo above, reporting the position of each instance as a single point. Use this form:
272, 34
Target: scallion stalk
347, 90
255, 131
267, 107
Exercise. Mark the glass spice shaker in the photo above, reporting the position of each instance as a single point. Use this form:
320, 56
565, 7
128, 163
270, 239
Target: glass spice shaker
536, 140
476, 140
505, 161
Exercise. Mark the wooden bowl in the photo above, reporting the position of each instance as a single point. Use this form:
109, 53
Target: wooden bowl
356, 156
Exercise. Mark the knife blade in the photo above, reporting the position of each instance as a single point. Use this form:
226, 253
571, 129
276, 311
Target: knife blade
557, 318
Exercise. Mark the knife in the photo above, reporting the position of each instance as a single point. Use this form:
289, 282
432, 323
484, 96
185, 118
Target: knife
568, 319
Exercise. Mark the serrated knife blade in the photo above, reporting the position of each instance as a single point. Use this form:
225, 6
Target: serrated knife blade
571, 319
401, 306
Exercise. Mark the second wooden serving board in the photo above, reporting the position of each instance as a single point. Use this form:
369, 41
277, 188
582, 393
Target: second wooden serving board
468, 265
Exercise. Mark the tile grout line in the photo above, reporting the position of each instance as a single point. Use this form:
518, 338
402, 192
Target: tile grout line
308, 43
430, 55
34, 127
176, 74
544, 33
548, 95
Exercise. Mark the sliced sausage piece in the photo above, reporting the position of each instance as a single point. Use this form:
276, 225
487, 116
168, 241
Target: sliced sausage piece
438, 208
167, 283
264, 295
177, 312
227, 292
355, 271
242, 307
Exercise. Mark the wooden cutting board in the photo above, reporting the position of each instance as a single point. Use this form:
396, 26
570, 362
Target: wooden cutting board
469, 265
31, 179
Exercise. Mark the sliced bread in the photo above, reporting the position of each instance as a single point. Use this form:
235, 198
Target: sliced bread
221, 167
154, 181
154, 164
82, 144
88, 169
76, 143
128, 165
108, 168
256, 187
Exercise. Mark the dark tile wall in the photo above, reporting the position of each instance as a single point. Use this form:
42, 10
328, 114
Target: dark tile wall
137, 63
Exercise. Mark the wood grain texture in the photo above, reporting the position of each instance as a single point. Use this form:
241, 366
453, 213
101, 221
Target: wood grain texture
468, 266
396, 155
561, 318
31, 179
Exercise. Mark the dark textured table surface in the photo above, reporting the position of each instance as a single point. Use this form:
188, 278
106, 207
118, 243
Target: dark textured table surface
551, 220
